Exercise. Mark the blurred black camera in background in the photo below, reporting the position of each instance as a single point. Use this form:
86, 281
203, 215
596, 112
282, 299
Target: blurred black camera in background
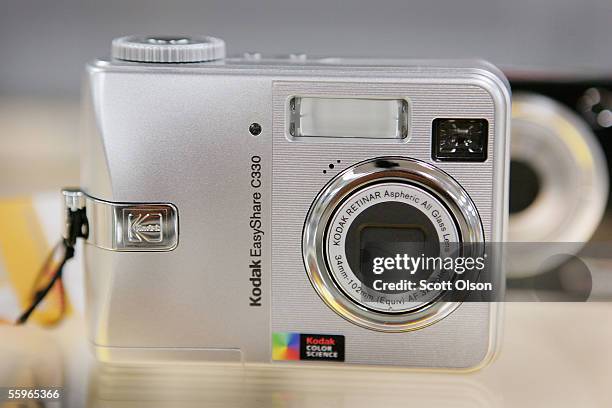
560, 168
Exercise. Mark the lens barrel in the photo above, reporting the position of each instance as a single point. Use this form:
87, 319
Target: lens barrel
377, 210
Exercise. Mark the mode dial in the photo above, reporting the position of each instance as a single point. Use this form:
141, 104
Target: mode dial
168, 49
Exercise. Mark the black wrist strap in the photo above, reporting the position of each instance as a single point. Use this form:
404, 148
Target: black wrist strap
77, 227
41, 294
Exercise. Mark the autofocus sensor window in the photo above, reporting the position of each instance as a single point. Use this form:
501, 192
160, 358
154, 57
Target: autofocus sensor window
460, 139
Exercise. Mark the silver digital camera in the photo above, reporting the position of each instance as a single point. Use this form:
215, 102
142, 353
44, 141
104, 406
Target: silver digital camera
233, 204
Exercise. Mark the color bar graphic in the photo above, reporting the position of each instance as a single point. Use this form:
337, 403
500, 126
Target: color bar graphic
285, 346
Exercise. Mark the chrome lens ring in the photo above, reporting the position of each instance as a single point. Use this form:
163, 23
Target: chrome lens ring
388, 169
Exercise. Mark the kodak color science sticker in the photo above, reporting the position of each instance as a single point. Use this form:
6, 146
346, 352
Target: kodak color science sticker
313, 347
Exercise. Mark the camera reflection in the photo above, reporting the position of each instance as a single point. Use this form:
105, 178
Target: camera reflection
225, 385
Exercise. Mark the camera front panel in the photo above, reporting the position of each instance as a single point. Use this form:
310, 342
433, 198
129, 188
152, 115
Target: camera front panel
215, 297
356, 198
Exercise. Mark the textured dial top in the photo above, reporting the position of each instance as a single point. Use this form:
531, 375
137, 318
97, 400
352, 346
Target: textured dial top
161, 49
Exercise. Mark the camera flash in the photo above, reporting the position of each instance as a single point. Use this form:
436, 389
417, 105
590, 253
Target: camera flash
339, 118
460, 139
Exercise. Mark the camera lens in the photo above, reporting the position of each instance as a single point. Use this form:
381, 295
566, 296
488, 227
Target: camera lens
371, 242
373, 238
366, 228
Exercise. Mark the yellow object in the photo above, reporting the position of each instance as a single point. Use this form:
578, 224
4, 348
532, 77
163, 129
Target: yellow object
23, 250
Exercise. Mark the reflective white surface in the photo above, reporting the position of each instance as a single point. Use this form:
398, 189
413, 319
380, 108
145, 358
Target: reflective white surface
553, 355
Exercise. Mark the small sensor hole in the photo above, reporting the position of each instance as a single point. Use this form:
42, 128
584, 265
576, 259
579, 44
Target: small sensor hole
255, 129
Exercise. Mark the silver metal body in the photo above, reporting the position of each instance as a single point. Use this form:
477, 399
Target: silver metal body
179, 135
